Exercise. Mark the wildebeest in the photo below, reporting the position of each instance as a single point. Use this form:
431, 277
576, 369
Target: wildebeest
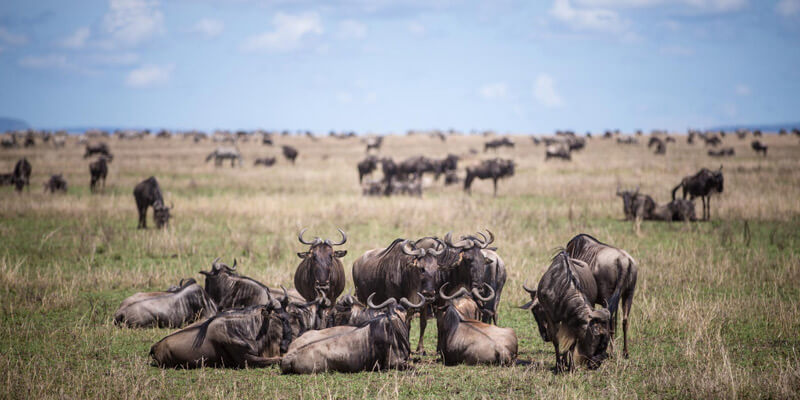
99, 148
366, 167
374, 143
347, 311
725, 152
401, 270
494, 169
411, 187
497, 143
557, 150
461, 339
254, 336
148, 193
225, 153
636, 205
451, 178
265, 161
290, 153
57, 183
759, 147
320, 269
229, 289
379, 343
98, 170
414, 167
660, 146
7, 179
169, 309
445, 165
642, 206
9, 142
22, 174
627, 140
702, 184
675, 210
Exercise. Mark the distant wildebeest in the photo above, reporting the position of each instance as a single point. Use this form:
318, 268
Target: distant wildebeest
415, 167
290, 153
148, 193
757, 133
497, 143
461, 339
642, 206
7, 179
266, 140
59, 141
445, 165
660, 146
759, 147
489, 169
702, 184
169, 309
724, 152
265, 161
9, 142
627, 140
577, 330
99, 148
712, 140
98, 170
225, 153
366, 167
401, 270
675, 210
451, 178
536, 140
557, 150
320, 269
374, 143
29, 141
163, 134
379, 343
389, 169
22, 174
636, 205
411, 187
57, 183
249, 337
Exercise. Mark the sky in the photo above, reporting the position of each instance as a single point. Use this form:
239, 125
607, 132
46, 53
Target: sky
388, 66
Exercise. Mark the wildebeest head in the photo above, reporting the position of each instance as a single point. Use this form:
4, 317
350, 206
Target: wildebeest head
463, 292
470, 258
718, 180
161, 213
321, 256
536, 310
212, 282
426, 262
592, 347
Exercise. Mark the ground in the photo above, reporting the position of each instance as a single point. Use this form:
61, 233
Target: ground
715, 312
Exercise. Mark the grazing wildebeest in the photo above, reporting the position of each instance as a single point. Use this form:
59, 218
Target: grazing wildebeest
636, 205
377, 344
759, 147
57, 183
725, 152
148, 193
571, 321
557, 150
461, 339
265, 161
615, 273
366, 167
496, 143
473, 264
22, 174
660, 146
290, 153
98, 170
374, 143
255, 336
489, 169
321, 270
225, 153
401, 270
99, 148
702, 184
170, 309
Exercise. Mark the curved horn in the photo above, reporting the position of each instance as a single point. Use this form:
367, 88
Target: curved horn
300, 238
486, 242
344, 238
527, 289
460, 292
407, 304
437, 253
411, 252
448, 238
477, 294
233, 268
285, 292
372, 305
215, 263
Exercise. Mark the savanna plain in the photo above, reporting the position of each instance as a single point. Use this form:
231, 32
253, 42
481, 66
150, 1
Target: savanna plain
716, 312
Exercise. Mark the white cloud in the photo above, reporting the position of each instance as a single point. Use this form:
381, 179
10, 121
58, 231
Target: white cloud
492, 91
788, 8
77, 40
290, 30
589, 19
705, 5
131, 22
677, 50
416, 28
44, 62
149, 76
742, 89
11, 38
352, 29
210, 28
544, 90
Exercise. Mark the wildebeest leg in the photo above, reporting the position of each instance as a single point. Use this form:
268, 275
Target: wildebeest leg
142, 217
260, 362
495, 186
423, 322
626, 309
709, 207
559, 363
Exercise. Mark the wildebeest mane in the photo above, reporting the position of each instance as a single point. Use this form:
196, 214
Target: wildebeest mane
240, 329
584, 247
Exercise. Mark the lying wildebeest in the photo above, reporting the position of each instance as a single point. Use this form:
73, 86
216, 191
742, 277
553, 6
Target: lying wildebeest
229, 289
290, 153
265, 161
475, 265
411, 187
57, 183
374, 143
98, 170
496, 143
702, 184
373, 188
255, 336
675, 210
347, 311
489, 169
225, 153
461, 339
321, 270
643, 207
577, 330
99, 148
636, 205
366, 167
148, 193
725, 152
557, 150
22, 174
759, 147
379, 343
401, 270
170, 309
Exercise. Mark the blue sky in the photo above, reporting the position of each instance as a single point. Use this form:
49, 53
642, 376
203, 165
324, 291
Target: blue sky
512, 66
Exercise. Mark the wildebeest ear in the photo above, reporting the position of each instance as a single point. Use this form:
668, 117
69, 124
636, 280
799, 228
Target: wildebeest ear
340, 253
206, 273
527, 306
487, 260
303, 254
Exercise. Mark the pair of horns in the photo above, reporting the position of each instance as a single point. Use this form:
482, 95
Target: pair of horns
418, 252
392, 302
318, 240
469, 243
216, 265
463, 291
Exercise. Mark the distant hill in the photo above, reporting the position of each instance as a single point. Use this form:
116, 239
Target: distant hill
763, 127
12, 124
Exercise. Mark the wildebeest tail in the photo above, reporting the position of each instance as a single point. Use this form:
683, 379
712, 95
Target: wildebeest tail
613, 302
201, 333
468, 180
680, 185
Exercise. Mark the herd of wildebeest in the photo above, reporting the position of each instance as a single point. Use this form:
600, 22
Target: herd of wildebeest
235, 321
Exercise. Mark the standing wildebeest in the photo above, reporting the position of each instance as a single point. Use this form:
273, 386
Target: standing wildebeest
377, 344
170, 309
401, 270
702, 184
636, 205
57, 183
290, 153
255, 336
571, 321
366, 167
99, 148
98, 170
489, 169
445, 165
22, 174
660, 146
461, 339
321, 270
758, 147
148, 193
266, 161
557, 150
496, 143
225, 153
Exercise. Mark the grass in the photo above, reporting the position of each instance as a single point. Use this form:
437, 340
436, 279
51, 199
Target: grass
715, 314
